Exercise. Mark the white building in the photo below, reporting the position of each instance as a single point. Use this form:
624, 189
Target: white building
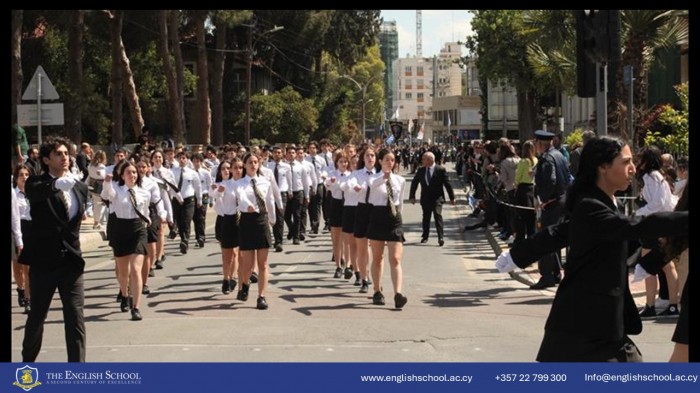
417, 80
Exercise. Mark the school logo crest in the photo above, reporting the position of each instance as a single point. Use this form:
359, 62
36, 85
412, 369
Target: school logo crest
27, 378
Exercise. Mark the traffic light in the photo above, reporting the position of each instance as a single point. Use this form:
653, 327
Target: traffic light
597, 40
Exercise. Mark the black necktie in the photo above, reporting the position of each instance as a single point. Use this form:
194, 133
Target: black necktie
390, 197
258, 198
369, 173
277, 173
182, 175
427, 176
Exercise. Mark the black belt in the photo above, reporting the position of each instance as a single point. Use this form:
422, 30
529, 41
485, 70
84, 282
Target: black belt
188, 199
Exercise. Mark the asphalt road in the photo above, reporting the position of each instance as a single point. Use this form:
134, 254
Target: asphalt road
460, 309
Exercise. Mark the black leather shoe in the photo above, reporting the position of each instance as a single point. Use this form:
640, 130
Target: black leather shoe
424, 240
296, 241
365, 287
120, 297
262, 303
254, 277
243, 292
358, 281
348, 273
124, 305
159, 263
146, 290
226, 287
278, 248
172, 235
378, 299
200, 243
400, 300
183, 247
232, 284
289, 236
136, 314
302, 237
542, 284
338, 272
151, 273
441, 242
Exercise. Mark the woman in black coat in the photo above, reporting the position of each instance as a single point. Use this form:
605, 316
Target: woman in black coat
593, 311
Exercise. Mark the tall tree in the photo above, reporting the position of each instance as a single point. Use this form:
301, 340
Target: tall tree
500, 45
75, 99
16, 62
203, 105
223, 19
116, 18
173, 102
130, 93
179, 71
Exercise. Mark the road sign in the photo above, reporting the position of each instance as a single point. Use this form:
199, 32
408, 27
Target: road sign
48, 92
51, 114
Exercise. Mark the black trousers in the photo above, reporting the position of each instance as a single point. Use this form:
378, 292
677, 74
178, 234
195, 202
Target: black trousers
304, 216
199, 218
315, 207
434, 209
326, 208
278, 228
550, 264
292, 213
69, 281
183, 216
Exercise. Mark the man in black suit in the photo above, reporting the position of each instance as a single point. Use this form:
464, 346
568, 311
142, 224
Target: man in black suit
432, 179
57, 199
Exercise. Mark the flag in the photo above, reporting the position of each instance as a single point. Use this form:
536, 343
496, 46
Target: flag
382, 132
420, 132
396, 115
449, 122
410, 126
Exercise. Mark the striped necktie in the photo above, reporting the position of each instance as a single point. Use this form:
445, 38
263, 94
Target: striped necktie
258, 197
390, 197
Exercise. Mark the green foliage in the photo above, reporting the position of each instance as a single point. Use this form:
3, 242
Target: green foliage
283, 116
575, 137
667, 127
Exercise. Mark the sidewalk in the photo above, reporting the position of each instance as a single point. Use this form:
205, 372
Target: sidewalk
530, 275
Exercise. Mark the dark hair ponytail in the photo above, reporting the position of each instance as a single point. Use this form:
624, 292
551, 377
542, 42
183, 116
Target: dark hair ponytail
596, 152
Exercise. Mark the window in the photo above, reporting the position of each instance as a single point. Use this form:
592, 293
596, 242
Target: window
419, 84
419, 70
408, 71
409, 84
409, 96
420, 97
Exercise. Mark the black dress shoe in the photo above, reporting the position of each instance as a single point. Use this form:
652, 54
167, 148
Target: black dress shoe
365, 287
243, 292
172, 235
254, 277
151, 273
424, 240
338, 272
262, 303
289, 236
348, 273
357, 279
119, 296
302, 237
146, 290
378, 299
543, 283
226, 287
441, 242
278, 248
200, 243
159, 263
136, 314
295, 241
124, 305
183, 247
232, 284
400, 300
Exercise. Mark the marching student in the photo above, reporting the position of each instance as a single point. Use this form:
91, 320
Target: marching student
157, 214
21, 271
200, 213
332, 184
386, 227
350, 202
190, 187
256, 202
282, 174
168, 193
131, 203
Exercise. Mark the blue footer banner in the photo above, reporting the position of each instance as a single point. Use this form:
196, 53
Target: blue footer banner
349, 377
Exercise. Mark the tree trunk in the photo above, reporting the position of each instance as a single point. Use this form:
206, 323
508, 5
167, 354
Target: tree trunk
202, 81
132, 97
217, 81
16, 62
75, 100
179, 72
527, 114
115, 34
176, 121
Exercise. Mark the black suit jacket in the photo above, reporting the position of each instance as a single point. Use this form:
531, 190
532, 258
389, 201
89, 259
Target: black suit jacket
52, 232
594, 299
433, 192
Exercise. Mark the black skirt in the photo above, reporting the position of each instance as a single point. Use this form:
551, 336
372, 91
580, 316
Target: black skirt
385, 226
560, 346
364, 210
226, 231
336, 214
128, 236
153, 231
349, 219
254, 232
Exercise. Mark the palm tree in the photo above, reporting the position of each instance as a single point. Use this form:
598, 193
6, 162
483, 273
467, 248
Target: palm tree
644, 32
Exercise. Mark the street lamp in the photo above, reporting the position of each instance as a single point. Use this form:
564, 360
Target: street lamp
363, 89
248, 77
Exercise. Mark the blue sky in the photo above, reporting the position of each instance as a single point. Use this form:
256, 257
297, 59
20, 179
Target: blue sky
438, 27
